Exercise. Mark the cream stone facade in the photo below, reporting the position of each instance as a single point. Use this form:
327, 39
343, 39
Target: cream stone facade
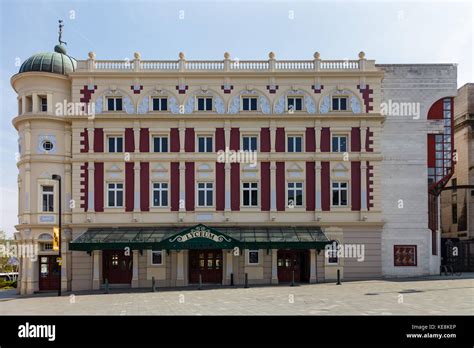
330, 166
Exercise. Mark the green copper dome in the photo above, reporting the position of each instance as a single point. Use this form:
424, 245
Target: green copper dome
57, 62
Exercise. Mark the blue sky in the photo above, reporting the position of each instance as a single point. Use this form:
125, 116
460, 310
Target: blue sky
388, 31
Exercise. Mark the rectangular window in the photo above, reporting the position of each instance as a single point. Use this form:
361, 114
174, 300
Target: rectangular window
331, 254
249, 104
249, 143
160, 104
160, 194
204, 103
160, 144
339, 143
295, 103
339, 103
294, 144
157, 257
114, 195
454, 213
44, 104
114, 104
115, 143
48, 198
253, 257
339, 194
295, 194
250, 194
205, 194
205, 144
47, 246
404, 255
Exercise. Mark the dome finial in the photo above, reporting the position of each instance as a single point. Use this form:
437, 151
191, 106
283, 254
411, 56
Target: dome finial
60, 48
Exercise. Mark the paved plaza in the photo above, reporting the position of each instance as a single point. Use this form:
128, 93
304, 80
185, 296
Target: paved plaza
426, 296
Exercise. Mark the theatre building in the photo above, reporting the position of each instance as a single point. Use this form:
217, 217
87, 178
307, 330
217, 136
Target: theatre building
181, 171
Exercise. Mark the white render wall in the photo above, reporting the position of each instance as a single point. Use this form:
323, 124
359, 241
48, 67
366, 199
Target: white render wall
404, 169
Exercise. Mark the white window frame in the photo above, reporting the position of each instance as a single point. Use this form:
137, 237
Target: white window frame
50, 196
160, 191
250, 189
248, 257
205, 189
160, 103
295, 189
339, 195
250, 136
339, 97
115, 190
294, 136
294, 102
339, 136
205, 143
161, 136
115, 136
115, 103
250, 104
162, 257
327, 260
205, 103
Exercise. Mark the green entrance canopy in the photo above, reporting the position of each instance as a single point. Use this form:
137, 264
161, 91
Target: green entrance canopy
201, 237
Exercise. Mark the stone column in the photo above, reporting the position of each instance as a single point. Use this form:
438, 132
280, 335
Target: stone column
274, 266
180, 268
363, 186
96, 269
227, 186
90, 190
136, 197
317, 131
182, 188
136, 136
229, 265
272, 136
182, 136
312, 269
363, 137
65, 238
32, 273
90, 137
273, 186
135, 269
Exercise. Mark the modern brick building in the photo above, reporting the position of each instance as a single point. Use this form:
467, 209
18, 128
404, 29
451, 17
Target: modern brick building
145, 170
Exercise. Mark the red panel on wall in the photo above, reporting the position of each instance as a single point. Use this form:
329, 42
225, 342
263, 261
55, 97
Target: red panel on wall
174, 141
355, 139
265, 140
99, 186
85, 140
220, 139
220, 186
144, 140
436, 111
280, 186
129, 185
310, 186
174, 183
310, 140
189, 186
99, 140
325, 139
325, 187
235, 186
431, 151
265, 184
129, 140
84, 186
369, 141
355, 182
280, 140
235, 139
144, 186
189, 140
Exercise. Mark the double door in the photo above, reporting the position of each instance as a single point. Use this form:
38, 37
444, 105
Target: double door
48, 273
293, 261
207, 263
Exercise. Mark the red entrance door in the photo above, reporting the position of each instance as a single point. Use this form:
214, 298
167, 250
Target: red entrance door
48, 273
293, 260
117, 267
208, 263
